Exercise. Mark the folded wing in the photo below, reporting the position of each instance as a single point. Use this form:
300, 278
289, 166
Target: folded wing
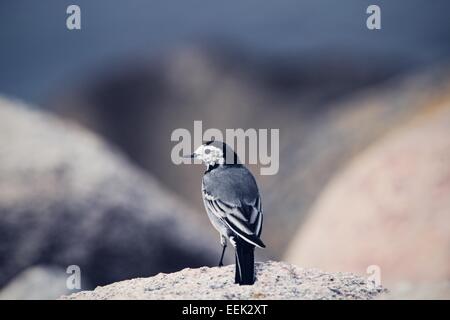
244, 219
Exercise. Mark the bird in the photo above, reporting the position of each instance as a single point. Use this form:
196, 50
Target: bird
233, 204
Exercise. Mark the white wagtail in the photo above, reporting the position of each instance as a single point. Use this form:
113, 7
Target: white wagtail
233, 205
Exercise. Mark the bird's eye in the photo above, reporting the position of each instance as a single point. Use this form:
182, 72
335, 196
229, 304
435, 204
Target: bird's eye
207, 151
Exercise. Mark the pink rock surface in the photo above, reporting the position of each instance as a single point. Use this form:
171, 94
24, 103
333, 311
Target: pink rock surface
390, 207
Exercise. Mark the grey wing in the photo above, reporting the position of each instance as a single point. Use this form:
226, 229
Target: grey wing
243, 219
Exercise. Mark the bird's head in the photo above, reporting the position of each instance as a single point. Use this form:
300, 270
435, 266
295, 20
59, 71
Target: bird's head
214, 153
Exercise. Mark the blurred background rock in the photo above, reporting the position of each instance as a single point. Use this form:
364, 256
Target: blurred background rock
67, 198
389, 207
339, 93
36, 283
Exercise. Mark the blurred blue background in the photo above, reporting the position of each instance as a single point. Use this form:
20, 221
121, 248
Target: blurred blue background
39, 55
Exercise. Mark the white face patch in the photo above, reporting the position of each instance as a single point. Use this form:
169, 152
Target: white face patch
210, 155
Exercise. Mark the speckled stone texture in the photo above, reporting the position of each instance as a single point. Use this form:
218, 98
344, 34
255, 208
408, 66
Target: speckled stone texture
275, 280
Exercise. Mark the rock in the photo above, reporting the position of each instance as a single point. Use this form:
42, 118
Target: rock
389, 207
275, 280
319, 149
36, 283
67, 198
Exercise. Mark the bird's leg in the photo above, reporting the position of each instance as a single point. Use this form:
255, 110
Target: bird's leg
221, 257
223, 242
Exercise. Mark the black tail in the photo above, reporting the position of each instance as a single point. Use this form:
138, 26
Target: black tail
245, 263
